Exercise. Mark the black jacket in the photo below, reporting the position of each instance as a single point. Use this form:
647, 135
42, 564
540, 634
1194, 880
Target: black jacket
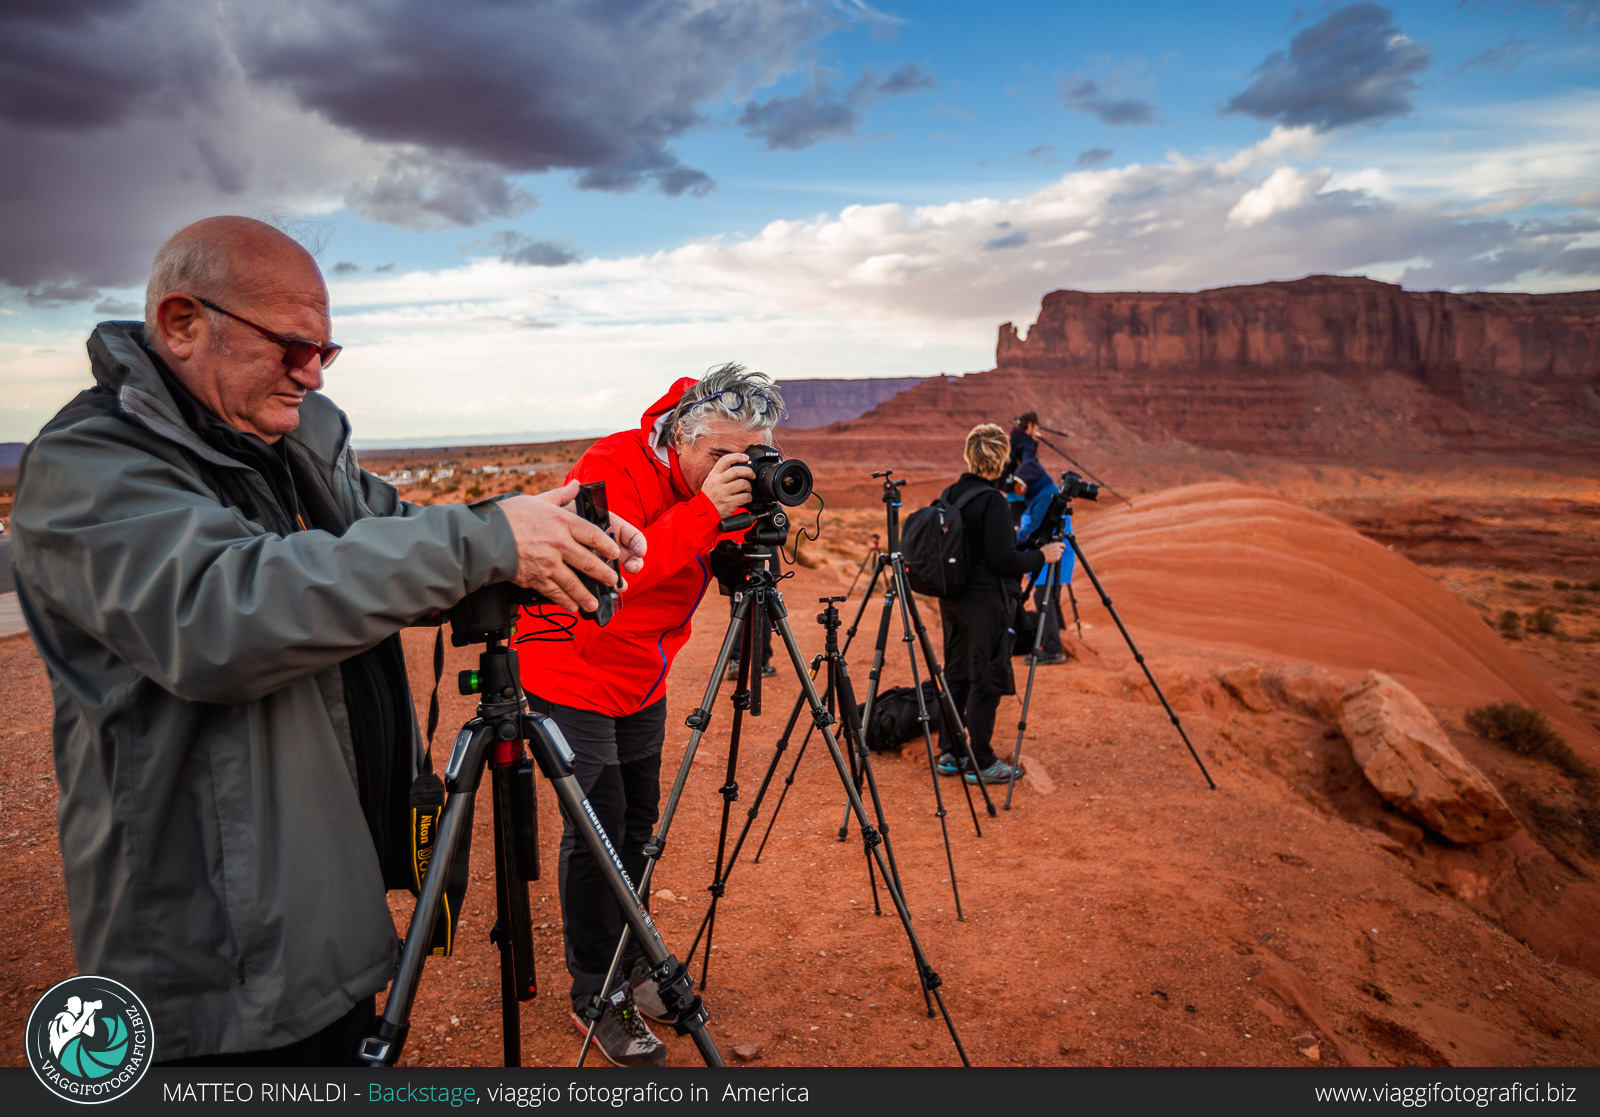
994, 560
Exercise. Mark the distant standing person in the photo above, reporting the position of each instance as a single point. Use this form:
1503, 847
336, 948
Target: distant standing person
1038, 490
977, 632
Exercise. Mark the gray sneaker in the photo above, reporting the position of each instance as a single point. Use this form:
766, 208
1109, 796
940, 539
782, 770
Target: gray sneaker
647, 995
622, 1036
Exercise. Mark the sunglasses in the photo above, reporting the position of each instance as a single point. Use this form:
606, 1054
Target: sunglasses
297, 352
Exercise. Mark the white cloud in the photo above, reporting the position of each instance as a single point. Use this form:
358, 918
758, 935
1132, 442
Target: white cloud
891, 289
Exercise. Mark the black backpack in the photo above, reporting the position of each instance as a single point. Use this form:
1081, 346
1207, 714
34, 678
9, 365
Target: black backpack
934, 544
894, 717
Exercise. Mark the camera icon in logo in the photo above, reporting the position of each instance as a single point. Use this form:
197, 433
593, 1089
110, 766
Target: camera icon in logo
89, 1039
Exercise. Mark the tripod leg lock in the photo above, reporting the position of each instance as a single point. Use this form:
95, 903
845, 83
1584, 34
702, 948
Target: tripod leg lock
730, 790
931, 979
653, 848
742, 700
677, 993
699, 719
870, 837
822, 719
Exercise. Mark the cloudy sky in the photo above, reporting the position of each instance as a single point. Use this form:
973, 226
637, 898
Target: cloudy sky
532, 216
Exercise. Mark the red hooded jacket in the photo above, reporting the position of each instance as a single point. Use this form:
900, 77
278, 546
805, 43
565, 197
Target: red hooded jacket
622, 668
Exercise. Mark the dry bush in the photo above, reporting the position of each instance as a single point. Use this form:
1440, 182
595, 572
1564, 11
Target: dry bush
1527, 732
1543, 620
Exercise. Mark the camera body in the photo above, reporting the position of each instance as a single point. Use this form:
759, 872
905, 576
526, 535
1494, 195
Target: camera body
487, 613
1053, 524
1074, 487
778, 483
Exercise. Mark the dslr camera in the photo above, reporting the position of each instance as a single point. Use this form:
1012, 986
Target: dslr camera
779, 483
1074, 487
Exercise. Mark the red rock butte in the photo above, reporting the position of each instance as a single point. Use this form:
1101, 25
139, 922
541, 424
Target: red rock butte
1326, 368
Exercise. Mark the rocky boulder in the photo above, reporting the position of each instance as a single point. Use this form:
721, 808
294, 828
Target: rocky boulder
1406, 756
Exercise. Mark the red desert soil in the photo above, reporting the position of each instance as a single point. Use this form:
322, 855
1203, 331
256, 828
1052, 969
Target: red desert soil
1118, 914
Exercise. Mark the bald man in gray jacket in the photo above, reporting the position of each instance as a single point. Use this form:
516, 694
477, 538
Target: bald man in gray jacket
216, 588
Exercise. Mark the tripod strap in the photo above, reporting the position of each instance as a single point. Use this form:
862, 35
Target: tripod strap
433, 699
427, 809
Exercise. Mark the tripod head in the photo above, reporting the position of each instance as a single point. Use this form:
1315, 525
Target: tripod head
829, 617
892, 502
741, 566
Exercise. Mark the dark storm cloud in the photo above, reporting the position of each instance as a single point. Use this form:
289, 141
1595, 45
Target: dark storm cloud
1086, 95
1092, 157
122, 120
1355, 66
117, 308
345, 267
519, 248
792, 123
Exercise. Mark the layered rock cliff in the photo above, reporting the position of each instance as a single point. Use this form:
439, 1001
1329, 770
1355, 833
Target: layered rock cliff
1327, 368
816, 403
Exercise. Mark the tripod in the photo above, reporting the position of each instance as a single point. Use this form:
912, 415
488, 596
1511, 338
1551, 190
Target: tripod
742, 571
494, 739
1057, 527
868, 559
1052, 580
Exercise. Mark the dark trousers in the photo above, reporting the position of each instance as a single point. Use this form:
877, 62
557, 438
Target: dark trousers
618, 764
1049, 614
334, 1046
977, 664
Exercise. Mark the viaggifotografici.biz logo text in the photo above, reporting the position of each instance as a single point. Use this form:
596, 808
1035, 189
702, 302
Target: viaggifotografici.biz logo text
89, 1039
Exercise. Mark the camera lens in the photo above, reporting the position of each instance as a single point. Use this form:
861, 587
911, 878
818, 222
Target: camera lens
791, 482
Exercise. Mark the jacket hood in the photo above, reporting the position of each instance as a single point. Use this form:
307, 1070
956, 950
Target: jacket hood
654, 418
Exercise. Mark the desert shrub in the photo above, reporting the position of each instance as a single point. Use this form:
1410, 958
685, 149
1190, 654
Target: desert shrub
1520, 584
475, 491
1576, 599
1592, 587
1544, 620
1561, 584
1527, 732
1510, 624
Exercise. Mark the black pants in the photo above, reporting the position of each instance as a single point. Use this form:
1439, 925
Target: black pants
618, 764
334, 1046
1049, 614
977, 664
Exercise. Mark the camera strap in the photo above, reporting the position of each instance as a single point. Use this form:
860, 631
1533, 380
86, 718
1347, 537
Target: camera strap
427, 809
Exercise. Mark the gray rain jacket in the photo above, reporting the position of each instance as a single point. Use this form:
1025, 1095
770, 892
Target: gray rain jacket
217, 860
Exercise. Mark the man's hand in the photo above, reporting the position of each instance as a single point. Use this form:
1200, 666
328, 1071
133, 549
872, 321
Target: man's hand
728, 484
555, 545
1052, 552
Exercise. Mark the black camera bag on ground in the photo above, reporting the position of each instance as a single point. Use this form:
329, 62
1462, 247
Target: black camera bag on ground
894, 717
934, 543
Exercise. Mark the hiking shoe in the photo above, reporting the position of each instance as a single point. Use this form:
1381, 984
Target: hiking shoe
733, 671
948, 766
997, 772
622, 1036
1052, 660
647, 995
768, 671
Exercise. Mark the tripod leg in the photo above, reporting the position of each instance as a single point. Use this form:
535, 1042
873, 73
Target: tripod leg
1033, 666
877, 572
1077, 621
800, 753
927, 740
949, 707
931, 981
554, 757
730, 784
697, 722
1138, 656
467, 760
513, 925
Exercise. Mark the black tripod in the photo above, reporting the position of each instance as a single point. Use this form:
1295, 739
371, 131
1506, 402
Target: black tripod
891, 568
494, 739
1057, 527
742, 571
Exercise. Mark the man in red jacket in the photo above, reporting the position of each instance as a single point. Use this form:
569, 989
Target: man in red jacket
677, 476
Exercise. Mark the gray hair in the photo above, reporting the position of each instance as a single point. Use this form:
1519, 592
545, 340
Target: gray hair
757, 405
191, 264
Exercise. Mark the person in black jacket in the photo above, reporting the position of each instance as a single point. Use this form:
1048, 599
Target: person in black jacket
977, 632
